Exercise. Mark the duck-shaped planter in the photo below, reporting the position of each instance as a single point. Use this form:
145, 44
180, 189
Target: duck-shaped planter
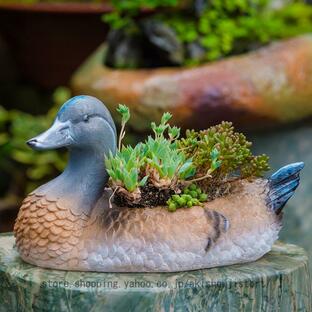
68, 223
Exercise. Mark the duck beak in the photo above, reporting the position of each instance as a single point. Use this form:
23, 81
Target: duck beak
56, 137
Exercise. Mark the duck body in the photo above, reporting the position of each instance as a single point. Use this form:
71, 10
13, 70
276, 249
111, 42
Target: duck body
67, 224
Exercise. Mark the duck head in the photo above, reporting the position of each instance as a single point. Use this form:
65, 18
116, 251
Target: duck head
85, 127
83, 122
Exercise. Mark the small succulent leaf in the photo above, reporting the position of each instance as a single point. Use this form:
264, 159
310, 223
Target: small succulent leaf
129, 183
165, 118
214, 154
143, 181
171, 171
174, 132
124, 111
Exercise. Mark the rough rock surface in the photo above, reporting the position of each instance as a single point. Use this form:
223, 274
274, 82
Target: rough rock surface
269, 86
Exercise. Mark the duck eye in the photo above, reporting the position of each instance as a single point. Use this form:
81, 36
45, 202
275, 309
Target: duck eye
86, 118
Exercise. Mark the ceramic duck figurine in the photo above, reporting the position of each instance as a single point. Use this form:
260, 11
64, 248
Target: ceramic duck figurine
68, 224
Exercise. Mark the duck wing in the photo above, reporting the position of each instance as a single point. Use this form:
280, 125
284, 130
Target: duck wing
46, 231
157, 224
153, 239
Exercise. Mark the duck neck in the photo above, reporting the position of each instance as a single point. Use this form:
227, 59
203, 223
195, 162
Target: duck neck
83, 181
86, 172
87, 167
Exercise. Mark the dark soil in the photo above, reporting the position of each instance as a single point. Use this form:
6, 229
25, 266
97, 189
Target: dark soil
151, 196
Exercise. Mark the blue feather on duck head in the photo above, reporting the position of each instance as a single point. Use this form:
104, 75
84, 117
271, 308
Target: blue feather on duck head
82, 122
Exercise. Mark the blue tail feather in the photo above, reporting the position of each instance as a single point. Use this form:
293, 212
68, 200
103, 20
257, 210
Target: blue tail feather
282, 185
281, 190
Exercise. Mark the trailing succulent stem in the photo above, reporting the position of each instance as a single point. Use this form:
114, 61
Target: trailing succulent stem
180, 172
123, 110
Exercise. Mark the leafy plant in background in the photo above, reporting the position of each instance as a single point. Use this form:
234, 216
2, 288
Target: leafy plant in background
5, 164
233, 27
125, 11
16, 128
196, 32
48, 1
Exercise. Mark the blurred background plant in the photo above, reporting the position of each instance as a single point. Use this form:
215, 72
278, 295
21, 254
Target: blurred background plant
23, 168
194, 32
48, 1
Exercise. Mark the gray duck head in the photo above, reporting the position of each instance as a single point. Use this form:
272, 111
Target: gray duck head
83, 122
85, 127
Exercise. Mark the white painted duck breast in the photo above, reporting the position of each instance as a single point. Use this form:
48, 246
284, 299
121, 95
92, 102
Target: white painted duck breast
67, 223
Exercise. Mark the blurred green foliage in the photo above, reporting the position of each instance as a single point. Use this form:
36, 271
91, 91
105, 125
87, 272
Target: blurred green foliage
126, 10
16, 128
237, 26
210, 30
47, 1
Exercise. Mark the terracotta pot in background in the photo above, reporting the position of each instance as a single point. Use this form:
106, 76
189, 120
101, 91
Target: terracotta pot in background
270, 86
49, 41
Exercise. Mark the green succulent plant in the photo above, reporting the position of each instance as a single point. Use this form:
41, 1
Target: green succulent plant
191, 196
124, 168
222, 154
157, 160
167, 162
208, 160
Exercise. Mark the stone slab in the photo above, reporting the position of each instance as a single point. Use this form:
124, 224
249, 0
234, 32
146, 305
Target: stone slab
277, 282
